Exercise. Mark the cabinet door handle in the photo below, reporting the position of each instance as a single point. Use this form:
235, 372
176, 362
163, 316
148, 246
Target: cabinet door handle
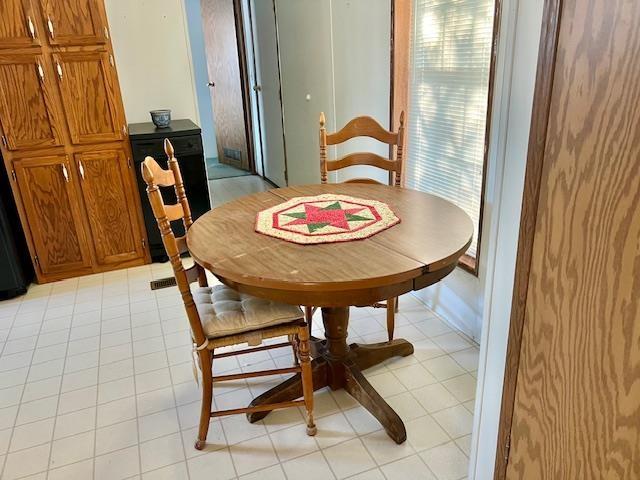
50, 26
81, 167
31, 26
59, 69
40, 70
65, 174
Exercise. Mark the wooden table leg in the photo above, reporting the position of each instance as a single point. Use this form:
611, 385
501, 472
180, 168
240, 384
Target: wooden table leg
339, 365
290, 389
371, 354
360, 389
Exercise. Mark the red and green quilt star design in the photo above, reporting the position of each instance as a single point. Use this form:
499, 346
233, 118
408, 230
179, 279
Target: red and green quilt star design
325, 219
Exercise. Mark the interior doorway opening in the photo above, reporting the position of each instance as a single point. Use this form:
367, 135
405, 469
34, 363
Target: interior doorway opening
241, 98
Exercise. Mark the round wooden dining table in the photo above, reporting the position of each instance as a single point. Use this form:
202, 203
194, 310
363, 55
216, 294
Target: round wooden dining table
417, 252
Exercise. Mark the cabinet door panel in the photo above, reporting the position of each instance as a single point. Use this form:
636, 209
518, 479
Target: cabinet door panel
16, 24
74, 22
107, 192
50, 200
28, 118
90, 102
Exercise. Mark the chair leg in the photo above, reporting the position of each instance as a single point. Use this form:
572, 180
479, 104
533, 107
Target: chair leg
202, 278
391, 317
307, 378
207, 397
308, 317
293, 340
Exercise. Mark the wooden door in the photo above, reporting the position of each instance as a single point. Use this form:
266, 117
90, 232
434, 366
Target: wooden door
74, 22
576, 413
26, 100
225, 81
107, 190
50, 199
89, 96
17, 28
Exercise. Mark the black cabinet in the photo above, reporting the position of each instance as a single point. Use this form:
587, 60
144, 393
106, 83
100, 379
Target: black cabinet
16, 270
147, 140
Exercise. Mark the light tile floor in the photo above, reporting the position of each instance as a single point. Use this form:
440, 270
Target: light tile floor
224, 190
96, 382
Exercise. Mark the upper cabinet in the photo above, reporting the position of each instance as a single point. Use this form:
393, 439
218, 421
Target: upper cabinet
28, 117
74, 22
17, 28
89, 96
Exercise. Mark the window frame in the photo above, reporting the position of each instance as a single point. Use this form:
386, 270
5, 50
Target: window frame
400, 68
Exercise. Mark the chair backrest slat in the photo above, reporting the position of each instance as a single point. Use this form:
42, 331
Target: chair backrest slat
156, 177
174, 212
363, 158
363, 126
363, 180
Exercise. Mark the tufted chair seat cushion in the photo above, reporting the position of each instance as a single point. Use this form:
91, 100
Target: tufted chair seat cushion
224, 311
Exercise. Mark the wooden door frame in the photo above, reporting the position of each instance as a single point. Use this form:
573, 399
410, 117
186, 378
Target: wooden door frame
244, 83
401, 16
528, 219
259, 126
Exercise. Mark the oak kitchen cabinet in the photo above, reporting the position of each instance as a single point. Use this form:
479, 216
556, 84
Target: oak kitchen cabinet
17, 29
64, 139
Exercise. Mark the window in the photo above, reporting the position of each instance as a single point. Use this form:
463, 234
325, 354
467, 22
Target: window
451, 45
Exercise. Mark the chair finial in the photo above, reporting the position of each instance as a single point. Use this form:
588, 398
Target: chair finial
168, 148
402, 118
147, 174
322, 120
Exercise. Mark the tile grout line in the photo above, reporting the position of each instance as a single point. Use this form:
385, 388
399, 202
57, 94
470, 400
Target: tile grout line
15, 420
55, 417
95, 419
135, 385
173, 393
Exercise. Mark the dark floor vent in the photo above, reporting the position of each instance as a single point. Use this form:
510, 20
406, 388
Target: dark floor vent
163, 283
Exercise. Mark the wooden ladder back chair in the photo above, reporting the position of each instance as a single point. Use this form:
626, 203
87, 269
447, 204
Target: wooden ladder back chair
364, 126
220, 316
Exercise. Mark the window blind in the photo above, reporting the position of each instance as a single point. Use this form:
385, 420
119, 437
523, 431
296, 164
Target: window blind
450, 62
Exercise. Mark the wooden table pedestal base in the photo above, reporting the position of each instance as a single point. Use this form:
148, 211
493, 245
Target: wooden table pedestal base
339, 365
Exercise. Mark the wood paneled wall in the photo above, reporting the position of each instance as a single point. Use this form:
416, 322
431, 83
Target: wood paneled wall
577, 397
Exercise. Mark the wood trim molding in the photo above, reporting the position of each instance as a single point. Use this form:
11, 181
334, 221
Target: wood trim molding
535, 161
473, 265
401, 12
244, 80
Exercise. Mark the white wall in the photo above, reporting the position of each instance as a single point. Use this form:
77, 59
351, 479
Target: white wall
361, 32
152, 52
337, 53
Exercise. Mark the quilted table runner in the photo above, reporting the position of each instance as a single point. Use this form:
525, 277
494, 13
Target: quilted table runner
325, 218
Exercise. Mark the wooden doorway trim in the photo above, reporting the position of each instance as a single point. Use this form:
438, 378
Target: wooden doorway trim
244, 80
401, 11
533, 174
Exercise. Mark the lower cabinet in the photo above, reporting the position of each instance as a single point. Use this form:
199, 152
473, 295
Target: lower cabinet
51, 203
81, 212
107, 192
